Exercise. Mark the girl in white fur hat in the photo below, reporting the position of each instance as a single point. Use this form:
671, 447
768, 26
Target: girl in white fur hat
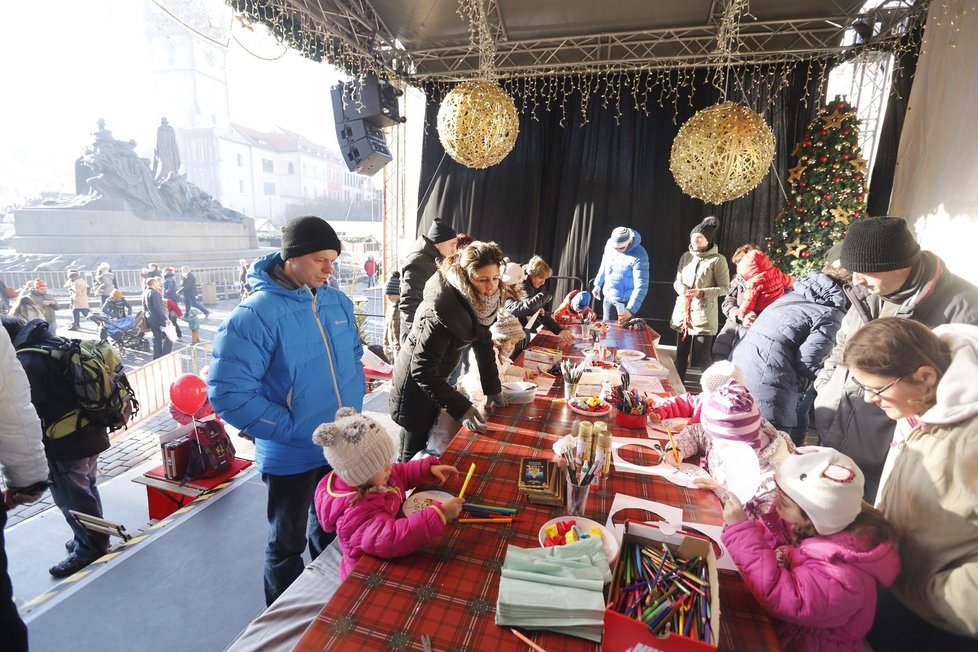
815, 560
361, 498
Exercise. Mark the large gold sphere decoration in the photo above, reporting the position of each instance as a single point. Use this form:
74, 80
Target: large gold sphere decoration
721, 153
478, 124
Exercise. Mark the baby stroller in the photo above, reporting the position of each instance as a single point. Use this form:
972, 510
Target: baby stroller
125, 332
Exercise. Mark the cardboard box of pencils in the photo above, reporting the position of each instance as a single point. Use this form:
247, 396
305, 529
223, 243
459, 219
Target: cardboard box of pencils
543, 355
700, 631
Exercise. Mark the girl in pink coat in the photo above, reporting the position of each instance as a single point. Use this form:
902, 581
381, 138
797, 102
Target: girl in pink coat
690, 405
814, 561
361, 498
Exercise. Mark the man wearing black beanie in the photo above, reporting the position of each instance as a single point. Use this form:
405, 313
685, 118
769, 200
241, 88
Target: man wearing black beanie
419, 265
267, 379
891, 277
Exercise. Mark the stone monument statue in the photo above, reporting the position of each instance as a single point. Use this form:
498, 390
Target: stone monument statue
166, 157
111, 169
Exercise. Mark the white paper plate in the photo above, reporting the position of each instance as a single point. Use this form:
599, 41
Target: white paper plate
421, 499
603, 412
630, 354
585, 524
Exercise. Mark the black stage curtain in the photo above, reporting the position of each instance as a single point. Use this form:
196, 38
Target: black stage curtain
884, 166
563, 189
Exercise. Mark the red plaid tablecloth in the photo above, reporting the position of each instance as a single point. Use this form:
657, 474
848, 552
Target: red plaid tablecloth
448, 589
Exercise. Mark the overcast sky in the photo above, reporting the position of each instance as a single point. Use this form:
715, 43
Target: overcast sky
67, 63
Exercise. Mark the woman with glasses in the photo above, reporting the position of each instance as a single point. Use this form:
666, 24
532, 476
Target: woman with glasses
926, 380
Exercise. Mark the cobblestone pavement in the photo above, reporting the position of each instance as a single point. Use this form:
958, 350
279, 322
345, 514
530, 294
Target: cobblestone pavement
135, 446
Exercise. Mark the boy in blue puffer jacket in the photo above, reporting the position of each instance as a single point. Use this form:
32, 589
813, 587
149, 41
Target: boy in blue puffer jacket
623, 278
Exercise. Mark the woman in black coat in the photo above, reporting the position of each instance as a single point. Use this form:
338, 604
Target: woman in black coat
460, 304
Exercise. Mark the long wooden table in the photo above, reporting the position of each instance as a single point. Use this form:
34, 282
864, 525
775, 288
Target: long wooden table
448, 589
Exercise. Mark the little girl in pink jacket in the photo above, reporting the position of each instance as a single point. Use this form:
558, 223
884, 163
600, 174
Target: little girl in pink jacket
361, 498
690, 405
814, 561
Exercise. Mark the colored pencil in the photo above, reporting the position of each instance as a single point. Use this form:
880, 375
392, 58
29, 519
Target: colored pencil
532, 645
468, 476
486, 520
489, 508
672, 442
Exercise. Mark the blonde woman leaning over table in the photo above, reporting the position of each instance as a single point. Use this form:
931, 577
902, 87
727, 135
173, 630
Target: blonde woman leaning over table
929, 487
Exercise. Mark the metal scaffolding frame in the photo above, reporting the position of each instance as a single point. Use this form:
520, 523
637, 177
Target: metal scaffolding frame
361, 31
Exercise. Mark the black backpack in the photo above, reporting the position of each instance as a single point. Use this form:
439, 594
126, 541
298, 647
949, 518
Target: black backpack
102, 389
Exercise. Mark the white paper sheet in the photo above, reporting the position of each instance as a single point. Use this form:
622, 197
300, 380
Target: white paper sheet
673, 515
713, 532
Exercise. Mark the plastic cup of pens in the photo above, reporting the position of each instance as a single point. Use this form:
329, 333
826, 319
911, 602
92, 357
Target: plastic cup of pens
577, 493
570, 391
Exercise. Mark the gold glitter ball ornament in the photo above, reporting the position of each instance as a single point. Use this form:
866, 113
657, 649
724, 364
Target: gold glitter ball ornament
722, 153
478, 124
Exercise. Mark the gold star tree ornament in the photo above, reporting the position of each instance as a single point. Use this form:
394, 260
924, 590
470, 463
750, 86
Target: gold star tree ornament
796, 172
835, 119
859, 164
795, 247
840, 215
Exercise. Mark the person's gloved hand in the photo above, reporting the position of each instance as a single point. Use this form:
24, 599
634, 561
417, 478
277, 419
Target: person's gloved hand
496, 400
474, 421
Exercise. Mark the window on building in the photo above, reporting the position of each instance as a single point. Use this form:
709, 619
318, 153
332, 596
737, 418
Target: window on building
291, 168
269, 188
267, 165
241, 186
240, 161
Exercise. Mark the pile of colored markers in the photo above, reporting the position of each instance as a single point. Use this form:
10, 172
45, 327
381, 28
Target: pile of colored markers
666, 593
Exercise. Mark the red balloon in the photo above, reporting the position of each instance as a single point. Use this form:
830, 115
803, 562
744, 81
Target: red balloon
188, 392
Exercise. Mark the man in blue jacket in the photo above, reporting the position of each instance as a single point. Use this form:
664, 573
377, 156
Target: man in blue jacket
285, 361
623, 278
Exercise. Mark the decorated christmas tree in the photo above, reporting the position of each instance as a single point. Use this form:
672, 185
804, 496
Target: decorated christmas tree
828, 191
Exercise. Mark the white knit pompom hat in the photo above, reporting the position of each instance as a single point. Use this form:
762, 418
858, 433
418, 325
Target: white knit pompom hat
826, 484
717, 374
512, 274
355, 446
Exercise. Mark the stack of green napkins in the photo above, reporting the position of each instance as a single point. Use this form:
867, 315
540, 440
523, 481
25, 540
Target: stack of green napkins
557, 588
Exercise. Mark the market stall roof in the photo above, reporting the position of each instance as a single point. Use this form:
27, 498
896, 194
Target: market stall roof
421, 40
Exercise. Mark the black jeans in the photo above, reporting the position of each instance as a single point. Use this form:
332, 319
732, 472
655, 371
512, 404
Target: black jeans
13, 628
292, 523
702, 347
161, 343
412, 442
898, 628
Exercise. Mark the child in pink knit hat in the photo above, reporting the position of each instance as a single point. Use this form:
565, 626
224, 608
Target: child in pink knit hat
730, 414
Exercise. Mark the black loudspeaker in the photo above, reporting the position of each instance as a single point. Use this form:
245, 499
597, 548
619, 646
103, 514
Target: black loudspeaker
367, 99
366, 155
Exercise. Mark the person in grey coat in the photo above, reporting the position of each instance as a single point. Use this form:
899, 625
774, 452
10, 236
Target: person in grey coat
891, 277
420, 265
783, 351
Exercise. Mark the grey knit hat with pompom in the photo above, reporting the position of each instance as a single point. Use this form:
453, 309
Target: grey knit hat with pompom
355, 446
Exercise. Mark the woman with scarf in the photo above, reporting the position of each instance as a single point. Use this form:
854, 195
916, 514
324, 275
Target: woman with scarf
460, 304
701, 278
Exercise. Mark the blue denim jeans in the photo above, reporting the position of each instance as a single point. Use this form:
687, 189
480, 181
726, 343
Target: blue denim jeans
73, 487
611, 309
292, 524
